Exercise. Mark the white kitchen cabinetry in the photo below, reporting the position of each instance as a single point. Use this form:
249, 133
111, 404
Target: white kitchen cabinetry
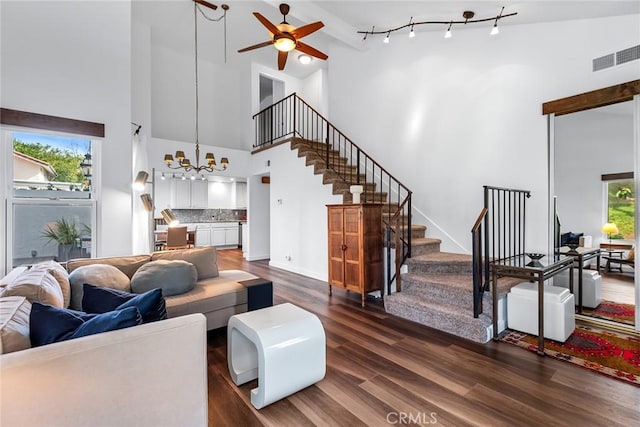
189, 194
199, 194
203, 235
162, 195
216, 234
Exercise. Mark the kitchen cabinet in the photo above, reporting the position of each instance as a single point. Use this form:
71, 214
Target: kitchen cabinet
186, 193
356, 247
162, 195
216, 234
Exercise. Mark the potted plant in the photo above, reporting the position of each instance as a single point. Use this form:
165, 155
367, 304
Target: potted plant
67, 234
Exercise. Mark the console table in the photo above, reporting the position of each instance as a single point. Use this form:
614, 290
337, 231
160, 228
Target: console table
581, 255
521, 266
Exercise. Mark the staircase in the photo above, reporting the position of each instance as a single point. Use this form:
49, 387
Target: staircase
438, 290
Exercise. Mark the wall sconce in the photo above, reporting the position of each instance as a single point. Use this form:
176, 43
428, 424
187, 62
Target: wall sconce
169, 217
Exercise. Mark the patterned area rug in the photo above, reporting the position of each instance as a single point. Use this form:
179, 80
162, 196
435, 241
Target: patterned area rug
611, 353
609, 310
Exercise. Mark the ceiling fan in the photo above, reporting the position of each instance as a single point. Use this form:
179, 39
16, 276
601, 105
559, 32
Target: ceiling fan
285, 37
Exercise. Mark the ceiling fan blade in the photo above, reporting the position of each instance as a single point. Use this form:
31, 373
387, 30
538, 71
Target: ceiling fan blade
272, 28
305, 30
282, 59
305, 48
256, 46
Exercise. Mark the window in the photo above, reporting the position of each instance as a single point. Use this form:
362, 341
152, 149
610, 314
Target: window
51, 166
52, 210
620, 205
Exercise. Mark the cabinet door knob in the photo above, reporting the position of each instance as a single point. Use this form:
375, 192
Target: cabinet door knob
344, 247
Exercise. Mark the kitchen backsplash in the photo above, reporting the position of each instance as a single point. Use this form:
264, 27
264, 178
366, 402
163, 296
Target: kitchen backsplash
209, 215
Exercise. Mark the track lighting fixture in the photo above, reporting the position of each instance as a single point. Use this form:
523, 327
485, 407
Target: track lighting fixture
495, 30
447, 35
468, 19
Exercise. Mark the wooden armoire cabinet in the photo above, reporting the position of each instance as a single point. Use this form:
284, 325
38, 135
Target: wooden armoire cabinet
356, 247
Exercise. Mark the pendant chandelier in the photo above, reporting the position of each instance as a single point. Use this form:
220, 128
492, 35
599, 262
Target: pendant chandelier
182, 161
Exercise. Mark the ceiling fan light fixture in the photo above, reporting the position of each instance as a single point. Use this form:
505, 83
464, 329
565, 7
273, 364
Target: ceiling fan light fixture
305, 59
284, 43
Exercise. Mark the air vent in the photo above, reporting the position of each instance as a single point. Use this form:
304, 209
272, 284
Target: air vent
603, 62
628, 55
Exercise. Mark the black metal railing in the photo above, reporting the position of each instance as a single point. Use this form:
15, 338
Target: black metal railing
293, 118
502, 235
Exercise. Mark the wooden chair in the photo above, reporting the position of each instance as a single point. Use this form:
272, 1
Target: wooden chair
629, 260
177, 238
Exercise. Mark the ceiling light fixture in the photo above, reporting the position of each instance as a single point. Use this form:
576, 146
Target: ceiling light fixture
412, 33
468, 19
495, 30
305, 59
183, 162
447, 35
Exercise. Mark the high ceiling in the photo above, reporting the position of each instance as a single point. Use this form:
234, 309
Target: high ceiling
171, 22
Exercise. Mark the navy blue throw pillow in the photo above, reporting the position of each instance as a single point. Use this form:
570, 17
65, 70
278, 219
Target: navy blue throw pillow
97, 299
49, 324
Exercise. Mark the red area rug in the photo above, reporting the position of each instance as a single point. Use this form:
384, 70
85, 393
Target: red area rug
609, 310
610, 353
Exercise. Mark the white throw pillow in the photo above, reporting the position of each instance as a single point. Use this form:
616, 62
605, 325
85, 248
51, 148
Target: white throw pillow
14, 324
36, 286
103, 275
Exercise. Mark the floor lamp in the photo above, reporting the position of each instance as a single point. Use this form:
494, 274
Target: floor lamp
147, 201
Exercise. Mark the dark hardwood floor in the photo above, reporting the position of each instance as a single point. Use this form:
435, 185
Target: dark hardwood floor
383, 370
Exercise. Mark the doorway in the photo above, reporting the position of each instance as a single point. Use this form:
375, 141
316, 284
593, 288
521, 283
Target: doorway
593, 183
270, 91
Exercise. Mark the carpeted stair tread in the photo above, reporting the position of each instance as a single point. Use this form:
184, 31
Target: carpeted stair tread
440, 263
442, 317
451, 289
424, 245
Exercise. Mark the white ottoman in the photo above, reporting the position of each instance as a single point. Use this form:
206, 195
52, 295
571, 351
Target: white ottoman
283, 346
591, 285
522, 310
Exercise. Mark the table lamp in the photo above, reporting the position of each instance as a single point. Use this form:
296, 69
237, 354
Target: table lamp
609, 228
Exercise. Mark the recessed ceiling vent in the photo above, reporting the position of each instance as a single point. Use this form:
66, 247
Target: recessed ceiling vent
627, 55
604, 62
618, 58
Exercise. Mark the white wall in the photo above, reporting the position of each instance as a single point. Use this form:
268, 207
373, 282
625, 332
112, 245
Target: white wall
315, 91
259, 217
73, 59
298, 213
449, 116
587, 145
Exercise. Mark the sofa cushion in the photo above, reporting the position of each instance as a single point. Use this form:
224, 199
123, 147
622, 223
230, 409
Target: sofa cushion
14, 324
60, 274
96, 274
174, 277
151, 304
53, 324
10, 277
127, 264
204, 259
36, 286
211, 294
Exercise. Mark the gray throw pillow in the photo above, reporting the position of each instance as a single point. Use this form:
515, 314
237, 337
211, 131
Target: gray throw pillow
103, 275
204, 259
174, 277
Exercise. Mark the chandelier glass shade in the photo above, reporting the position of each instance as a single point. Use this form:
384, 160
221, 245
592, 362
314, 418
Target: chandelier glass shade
182, 162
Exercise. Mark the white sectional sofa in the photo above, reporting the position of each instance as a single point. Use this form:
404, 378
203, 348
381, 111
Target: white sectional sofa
149, 375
